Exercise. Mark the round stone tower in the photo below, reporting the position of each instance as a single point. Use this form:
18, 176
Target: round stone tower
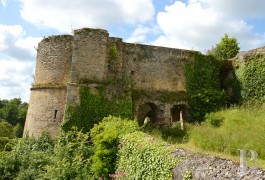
48, 92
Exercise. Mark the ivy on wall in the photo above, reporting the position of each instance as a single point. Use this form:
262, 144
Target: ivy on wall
203, 86
144, 157
93, 108
251, 75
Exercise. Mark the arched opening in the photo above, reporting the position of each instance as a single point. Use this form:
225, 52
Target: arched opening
147, 110
176, 110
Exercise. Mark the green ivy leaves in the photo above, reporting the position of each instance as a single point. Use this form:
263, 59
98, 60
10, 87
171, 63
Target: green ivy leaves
203, 86
93, 108
251, 75
144, 157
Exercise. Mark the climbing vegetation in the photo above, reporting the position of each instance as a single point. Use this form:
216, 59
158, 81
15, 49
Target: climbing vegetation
251, 75
93, 108
203, 86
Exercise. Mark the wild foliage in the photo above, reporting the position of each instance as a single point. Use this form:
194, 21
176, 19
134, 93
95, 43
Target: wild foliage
93, 108
203, 86
105, 136
27, 159
251, 75
67, 157
71, 157
13, 111
227, 48
144, 157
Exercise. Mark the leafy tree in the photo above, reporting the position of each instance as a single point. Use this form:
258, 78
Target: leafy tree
68, 157
13, 111
6, 134
6, 129
226, 49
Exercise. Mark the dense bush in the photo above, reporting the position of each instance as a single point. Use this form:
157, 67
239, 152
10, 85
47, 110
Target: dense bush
144, 157
203, 86
105, 136
251, 75
71, 158
67, 157
6, 134
213, 120
27, 159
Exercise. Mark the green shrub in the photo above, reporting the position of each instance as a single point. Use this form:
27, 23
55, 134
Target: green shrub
6, 129
105, 136
71, 157
213, 119
144, 157
27, 159
6, 135
18, 130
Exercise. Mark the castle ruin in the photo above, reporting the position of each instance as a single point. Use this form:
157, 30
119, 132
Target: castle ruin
65, 63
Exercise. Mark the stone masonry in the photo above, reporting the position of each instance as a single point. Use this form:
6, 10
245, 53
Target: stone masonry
66, 62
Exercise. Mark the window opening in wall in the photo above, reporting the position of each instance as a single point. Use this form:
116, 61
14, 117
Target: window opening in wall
132, 72
55, 114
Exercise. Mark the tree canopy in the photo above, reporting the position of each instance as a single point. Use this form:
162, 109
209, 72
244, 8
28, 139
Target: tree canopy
226, 49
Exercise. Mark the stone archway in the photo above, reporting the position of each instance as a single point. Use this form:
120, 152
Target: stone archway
149, 110
176, 110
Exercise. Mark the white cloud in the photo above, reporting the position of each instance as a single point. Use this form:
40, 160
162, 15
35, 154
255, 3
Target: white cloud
15, 79
201, 23
139, 34
14, 43
17, 61
64, 15
3, 2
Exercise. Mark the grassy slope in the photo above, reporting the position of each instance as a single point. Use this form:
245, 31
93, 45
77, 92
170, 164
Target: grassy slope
242, 128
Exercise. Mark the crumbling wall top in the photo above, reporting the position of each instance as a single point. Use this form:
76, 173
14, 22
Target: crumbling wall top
90, 30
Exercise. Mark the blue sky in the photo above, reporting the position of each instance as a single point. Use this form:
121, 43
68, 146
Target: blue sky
186, 24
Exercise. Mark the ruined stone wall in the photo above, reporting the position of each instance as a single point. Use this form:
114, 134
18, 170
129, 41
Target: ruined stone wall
158, 79
156, 68
48, 93
89, 62
148, 74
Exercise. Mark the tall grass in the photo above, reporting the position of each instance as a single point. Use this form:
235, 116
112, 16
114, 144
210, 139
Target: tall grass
242, 128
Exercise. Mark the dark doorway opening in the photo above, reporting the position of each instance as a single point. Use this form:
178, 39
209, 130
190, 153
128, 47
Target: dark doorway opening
147, 110
176, 110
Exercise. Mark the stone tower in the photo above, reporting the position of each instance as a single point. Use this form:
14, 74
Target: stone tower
153, 78
48, 92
